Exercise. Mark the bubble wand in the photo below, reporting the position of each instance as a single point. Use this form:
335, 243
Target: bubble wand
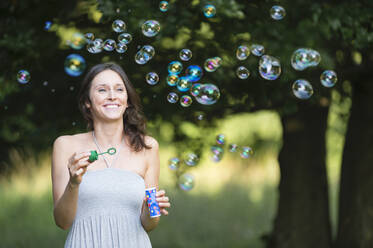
94, 155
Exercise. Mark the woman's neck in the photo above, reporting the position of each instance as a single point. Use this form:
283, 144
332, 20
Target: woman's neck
108, 134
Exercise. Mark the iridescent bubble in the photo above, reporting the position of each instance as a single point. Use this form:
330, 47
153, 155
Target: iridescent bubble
152, 78
77, 41
302, 89
194, 72
174, 163
95, 46
175, 67
23, 77
47, 25
242, 52
277, 12
209, 94
220, 139
192, 159
199, 115
242, 72
185, 101
195, 89
269, 67
89, 37
172, 79
185, 54
212, 64
149, 51
163, 6
217, 153
109, 45
186, 182
119, 26
303, 58
150, 28
172, 97
209, 10
246, 152
121, 47
125, 38
141, 58
233, 147
184, 84
328, 78
74, 65
257, 50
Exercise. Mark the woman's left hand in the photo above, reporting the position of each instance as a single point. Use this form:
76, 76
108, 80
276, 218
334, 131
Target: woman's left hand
163, 201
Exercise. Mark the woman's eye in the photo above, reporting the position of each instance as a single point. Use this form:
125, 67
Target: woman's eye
101, 90
120, 89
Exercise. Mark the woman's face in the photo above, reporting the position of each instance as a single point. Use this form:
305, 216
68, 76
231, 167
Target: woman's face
108, 96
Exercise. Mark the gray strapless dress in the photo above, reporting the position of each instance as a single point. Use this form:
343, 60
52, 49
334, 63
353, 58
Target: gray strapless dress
108, 212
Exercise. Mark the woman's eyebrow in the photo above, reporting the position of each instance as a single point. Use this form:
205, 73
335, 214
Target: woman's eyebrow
103, 84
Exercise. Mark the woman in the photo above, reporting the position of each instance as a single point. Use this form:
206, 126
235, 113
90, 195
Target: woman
103, 202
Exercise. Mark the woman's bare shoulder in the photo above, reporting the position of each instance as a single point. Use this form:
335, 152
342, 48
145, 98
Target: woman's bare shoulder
152, 142
71, 140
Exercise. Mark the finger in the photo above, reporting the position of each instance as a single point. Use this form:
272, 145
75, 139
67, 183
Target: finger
162, 199
80, 171
161, 192
81, 155
164, 205
164, 212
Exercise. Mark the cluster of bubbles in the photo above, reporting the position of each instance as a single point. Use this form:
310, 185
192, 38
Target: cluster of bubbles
209, 10
217, 150
185, 181
74, 65
145, 54
163, 6
23, 77
277, 12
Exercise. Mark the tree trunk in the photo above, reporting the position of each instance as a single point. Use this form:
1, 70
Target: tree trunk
302, 219
355, 220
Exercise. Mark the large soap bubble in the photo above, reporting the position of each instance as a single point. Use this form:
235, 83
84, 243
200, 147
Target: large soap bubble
208, 94
174, 163
328, 78
269, 67
192, 159
186, 182
242, 52
95, 46
303, 58
74, 65
302, 89
151, 28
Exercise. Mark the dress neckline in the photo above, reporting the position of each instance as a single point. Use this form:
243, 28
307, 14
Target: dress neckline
113, 168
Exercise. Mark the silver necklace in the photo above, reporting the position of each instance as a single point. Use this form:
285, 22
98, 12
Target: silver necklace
100, 150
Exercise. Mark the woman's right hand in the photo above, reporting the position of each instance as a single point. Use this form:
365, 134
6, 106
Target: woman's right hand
77, 166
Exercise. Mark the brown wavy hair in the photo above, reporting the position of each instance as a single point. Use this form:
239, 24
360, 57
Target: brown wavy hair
133, 120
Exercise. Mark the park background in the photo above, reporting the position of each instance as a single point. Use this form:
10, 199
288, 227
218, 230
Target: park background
308, 183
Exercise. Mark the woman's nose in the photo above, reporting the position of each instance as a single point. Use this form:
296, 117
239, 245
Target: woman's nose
111, 94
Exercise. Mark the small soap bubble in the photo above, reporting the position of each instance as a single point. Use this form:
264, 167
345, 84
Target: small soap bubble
194, 72
209, 10
125, 38
119, 26
199, 116
174, 163
77, 41
184, 84
172, 97
220, 139
74, 65
121, 47
172, 79
195, 89
257, 50
53, 90
186, 182
208, 94
152, 78
71, 88
277, 12
212, 64
23, 77
192, 159
246, 152
109, 45
73, 123
328, 78
117, 10
150, 28
141, 58
47, 25
242, 52
163, 6
233, 147
185, 101
269, 67
95, 46
89, 37
303, 58
5, 107
175, 67
302, 89
217, 153
185, 54
149, 51
45, 83
242, 72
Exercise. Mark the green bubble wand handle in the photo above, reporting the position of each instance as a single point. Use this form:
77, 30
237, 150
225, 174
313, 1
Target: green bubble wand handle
94, 155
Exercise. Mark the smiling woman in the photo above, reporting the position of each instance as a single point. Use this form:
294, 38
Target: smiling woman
103, 202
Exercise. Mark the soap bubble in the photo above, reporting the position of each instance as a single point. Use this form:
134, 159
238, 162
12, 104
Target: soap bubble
209, 10
195, 89
186, 182
246, 152
303, 58
172, 79
217, 153
95, 46
302, 89
242, 52
150, 28
175, 67
192, 159
208, 94
148, 50
74, 65
220, 139
328, 78
163, 6
257, 50
242, 72
23, 77
212, 64
45, 83
89, 37
233, 147
185, 54
174, 163
77, 41
119, 26
194, 72
121, 47
172, 97
199, 115
184, 84
109, 45
125, 38
47, 25
269, 67
141, 58
277, 12
152, 78
185, 101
